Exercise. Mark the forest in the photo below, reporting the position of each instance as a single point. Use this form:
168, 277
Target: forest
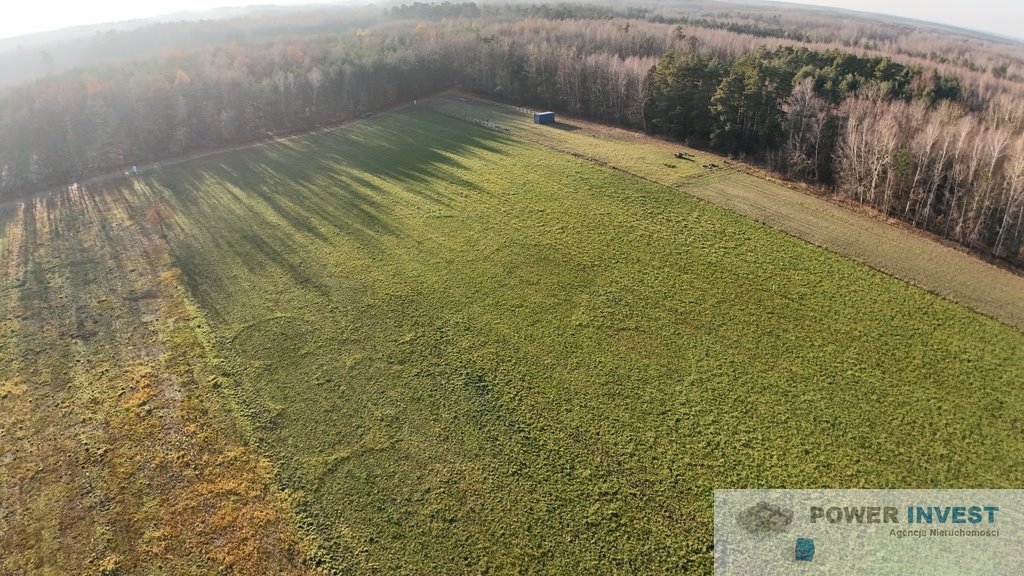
930, 137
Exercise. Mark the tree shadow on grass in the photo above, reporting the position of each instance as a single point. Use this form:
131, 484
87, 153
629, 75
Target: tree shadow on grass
219, 226
261, 207
409, 150
337, 180
13, 250
79, 257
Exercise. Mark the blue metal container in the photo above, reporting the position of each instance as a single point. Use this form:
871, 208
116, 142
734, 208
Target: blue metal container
543, 117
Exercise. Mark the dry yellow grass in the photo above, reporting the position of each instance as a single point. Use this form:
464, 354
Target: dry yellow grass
116, 454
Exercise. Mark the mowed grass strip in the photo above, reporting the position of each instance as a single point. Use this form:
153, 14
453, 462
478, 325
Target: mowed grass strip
470, 353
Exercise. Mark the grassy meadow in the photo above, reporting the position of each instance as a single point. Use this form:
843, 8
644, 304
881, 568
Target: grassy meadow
467, 352
865, 237
418, 345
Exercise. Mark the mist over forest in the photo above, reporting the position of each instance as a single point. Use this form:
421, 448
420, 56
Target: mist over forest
921, 124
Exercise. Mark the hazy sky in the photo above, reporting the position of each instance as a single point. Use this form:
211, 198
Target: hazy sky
25, 16
1004, 17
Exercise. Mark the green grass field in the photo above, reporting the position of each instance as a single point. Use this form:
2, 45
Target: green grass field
466, 352
462, 351
895, 250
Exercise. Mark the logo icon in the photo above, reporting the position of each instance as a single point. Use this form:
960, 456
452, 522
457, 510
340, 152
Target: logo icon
763, 518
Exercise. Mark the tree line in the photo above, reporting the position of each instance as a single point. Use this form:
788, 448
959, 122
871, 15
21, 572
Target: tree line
913, 142
895, 137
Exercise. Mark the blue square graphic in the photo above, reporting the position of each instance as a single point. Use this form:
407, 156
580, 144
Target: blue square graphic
805, 549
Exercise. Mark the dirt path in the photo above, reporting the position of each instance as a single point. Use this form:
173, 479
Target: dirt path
910, 255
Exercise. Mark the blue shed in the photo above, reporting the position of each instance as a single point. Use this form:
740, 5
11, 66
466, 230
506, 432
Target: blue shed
543, 117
